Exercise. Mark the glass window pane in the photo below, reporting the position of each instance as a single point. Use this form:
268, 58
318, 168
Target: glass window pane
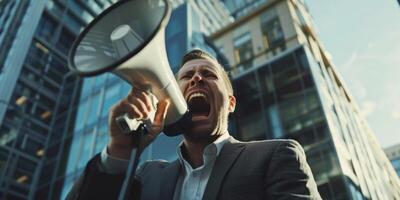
81, 116
243, 50
272, 30
86, 149
111, 97
248, 108
94, 106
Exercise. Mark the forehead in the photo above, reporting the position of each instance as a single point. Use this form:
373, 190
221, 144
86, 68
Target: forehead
199, 64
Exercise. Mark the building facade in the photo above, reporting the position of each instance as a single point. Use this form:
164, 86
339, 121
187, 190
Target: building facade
287, 87
393, 153
36, 92
187, 29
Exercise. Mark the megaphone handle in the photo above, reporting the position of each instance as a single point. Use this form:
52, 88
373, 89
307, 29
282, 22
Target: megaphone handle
127, 125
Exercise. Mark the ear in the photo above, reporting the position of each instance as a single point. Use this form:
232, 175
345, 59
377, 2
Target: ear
232, 103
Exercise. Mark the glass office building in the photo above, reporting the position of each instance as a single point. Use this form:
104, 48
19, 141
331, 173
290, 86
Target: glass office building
393, 153
239, 8
287, 87
186, 30
36, 93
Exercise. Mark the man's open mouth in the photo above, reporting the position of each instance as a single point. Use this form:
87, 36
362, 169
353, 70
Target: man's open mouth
198, 104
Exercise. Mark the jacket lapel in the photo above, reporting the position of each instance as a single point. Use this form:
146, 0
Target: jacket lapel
225, 159
169, 179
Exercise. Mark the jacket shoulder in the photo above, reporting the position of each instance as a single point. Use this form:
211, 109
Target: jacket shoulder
272, 144
151, 166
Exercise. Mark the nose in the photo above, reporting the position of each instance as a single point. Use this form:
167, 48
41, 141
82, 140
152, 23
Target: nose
197, 80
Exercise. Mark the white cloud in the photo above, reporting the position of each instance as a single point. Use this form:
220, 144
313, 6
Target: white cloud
367, 108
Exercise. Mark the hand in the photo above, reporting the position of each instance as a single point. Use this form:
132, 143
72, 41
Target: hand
138, 106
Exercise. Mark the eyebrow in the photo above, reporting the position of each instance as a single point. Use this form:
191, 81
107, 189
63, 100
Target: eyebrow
206, 68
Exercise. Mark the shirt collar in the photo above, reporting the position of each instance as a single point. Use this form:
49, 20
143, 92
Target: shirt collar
211, 150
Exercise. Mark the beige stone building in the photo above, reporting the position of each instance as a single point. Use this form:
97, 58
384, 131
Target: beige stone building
287, 87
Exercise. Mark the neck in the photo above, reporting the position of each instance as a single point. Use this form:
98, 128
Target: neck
194, 148
194, 153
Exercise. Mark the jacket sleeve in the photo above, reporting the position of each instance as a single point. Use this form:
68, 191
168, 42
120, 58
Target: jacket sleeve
289, 176
95, 184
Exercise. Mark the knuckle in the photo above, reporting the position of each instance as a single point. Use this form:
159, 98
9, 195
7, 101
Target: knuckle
145, 115
137, 115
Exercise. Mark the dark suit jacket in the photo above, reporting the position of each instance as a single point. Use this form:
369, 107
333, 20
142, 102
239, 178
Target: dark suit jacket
271, 169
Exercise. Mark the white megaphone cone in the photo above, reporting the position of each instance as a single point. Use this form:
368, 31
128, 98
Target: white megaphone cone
128, 39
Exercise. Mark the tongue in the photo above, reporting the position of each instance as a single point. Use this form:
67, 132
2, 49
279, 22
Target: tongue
199, 106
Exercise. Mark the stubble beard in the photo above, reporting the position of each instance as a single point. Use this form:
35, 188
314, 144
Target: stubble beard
210, 135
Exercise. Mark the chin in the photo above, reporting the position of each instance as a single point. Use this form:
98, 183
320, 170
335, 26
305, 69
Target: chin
201, 133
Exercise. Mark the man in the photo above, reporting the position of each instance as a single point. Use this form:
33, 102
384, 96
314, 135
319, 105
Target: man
211, 164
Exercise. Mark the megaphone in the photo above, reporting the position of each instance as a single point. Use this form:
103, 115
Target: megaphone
128, 39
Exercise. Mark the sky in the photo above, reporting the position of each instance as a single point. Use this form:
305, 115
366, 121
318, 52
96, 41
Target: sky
363, 37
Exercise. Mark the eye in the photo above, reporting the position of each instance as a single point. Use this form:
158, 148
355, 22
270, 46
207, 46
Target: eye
185, 76
210, 75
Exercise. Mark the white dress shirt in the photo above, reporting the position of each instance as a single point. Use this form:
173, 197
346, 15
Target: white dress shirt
191, 182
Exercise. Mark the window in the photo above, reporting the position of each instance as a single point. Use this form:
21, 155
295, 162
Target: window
273, 115
100, 81
3, 160
59, 66
111, 97
29, 144
81, 115
267, 81
55, 8
251, 124
102, 136
73, 22
287, 79
272, 30
46, 27
7, 135
86, 148
243, 50
24, 171
38, 56
65, 41
94, 105
74, 153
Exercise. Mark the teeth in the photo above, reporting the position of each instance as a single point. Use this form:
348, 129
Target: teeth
197, 94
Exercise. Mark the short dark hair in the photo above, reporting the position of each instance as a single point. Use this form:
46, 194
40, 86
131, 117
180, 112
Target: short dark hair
200, 54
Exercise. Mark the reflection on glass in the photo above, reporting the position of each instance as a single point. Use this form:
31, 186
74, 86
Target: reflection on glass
111, 97
81, 116
275, 121
250, 120
94, 106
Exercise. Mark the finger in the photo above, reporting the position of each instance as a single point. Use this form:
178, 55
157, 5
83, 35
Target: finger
135, 92
125, 107
160, 115
145, 98
158, 122
140, 105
